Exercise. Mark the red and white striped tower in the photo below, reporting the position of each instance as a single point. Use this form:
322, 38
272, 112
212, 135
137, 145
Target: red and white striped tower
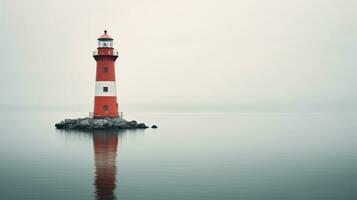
105, 100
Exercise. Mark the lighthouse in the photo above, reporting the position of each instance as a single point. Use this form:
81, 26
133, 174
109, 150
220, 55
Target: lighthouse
105, 100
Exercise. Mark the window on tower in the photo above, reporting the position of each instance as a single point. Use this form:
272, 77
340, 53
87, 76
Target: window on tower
105, 69
105, 107
105, 89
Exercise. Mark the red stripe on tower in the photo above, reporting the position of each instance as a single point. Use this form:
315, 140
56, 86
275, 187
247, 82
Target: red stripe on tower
105, 100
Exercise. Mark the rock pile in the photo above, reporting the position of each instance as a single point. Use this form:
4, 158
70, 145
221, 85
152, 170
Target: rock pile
99, 124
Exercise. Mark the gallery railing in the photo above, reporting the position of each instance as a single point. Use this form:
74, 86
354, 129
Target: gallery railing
92, 114
110, 53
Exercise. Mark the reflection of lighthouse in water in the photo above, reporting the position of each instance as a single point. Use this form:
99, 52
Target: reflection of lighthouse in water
105, 152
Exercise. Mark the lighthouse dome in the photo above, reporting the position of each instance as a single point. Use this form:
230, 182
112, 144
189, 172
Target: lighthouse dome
105, 36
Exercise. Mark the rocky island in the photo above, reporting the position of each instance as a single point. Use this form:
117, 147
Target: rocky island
88, 123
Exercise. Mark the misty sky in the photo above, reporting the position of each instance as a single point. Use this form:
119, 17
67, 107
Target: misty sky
222, 52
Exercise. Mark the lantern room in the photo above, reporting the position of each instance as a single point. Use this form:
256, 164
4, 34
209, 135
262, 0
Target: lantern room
105, 41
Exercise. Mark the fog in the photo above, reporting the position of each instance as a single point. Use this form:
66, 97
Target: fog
190, 54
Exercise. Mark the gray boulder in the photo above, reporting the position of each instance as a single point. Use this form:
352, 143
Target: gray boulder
84, 123
141, 125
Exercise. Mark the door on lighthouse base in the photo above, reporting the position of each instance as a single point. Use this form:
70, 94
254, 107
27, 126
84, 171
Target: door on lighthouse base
105, 108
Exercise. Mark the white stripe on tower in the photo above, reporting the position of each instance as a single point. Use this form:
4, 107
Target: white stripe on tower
105, 88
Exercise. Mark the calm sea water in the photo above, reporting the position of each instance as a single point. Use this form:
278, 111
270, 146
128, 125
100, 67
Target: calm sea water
196, 156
